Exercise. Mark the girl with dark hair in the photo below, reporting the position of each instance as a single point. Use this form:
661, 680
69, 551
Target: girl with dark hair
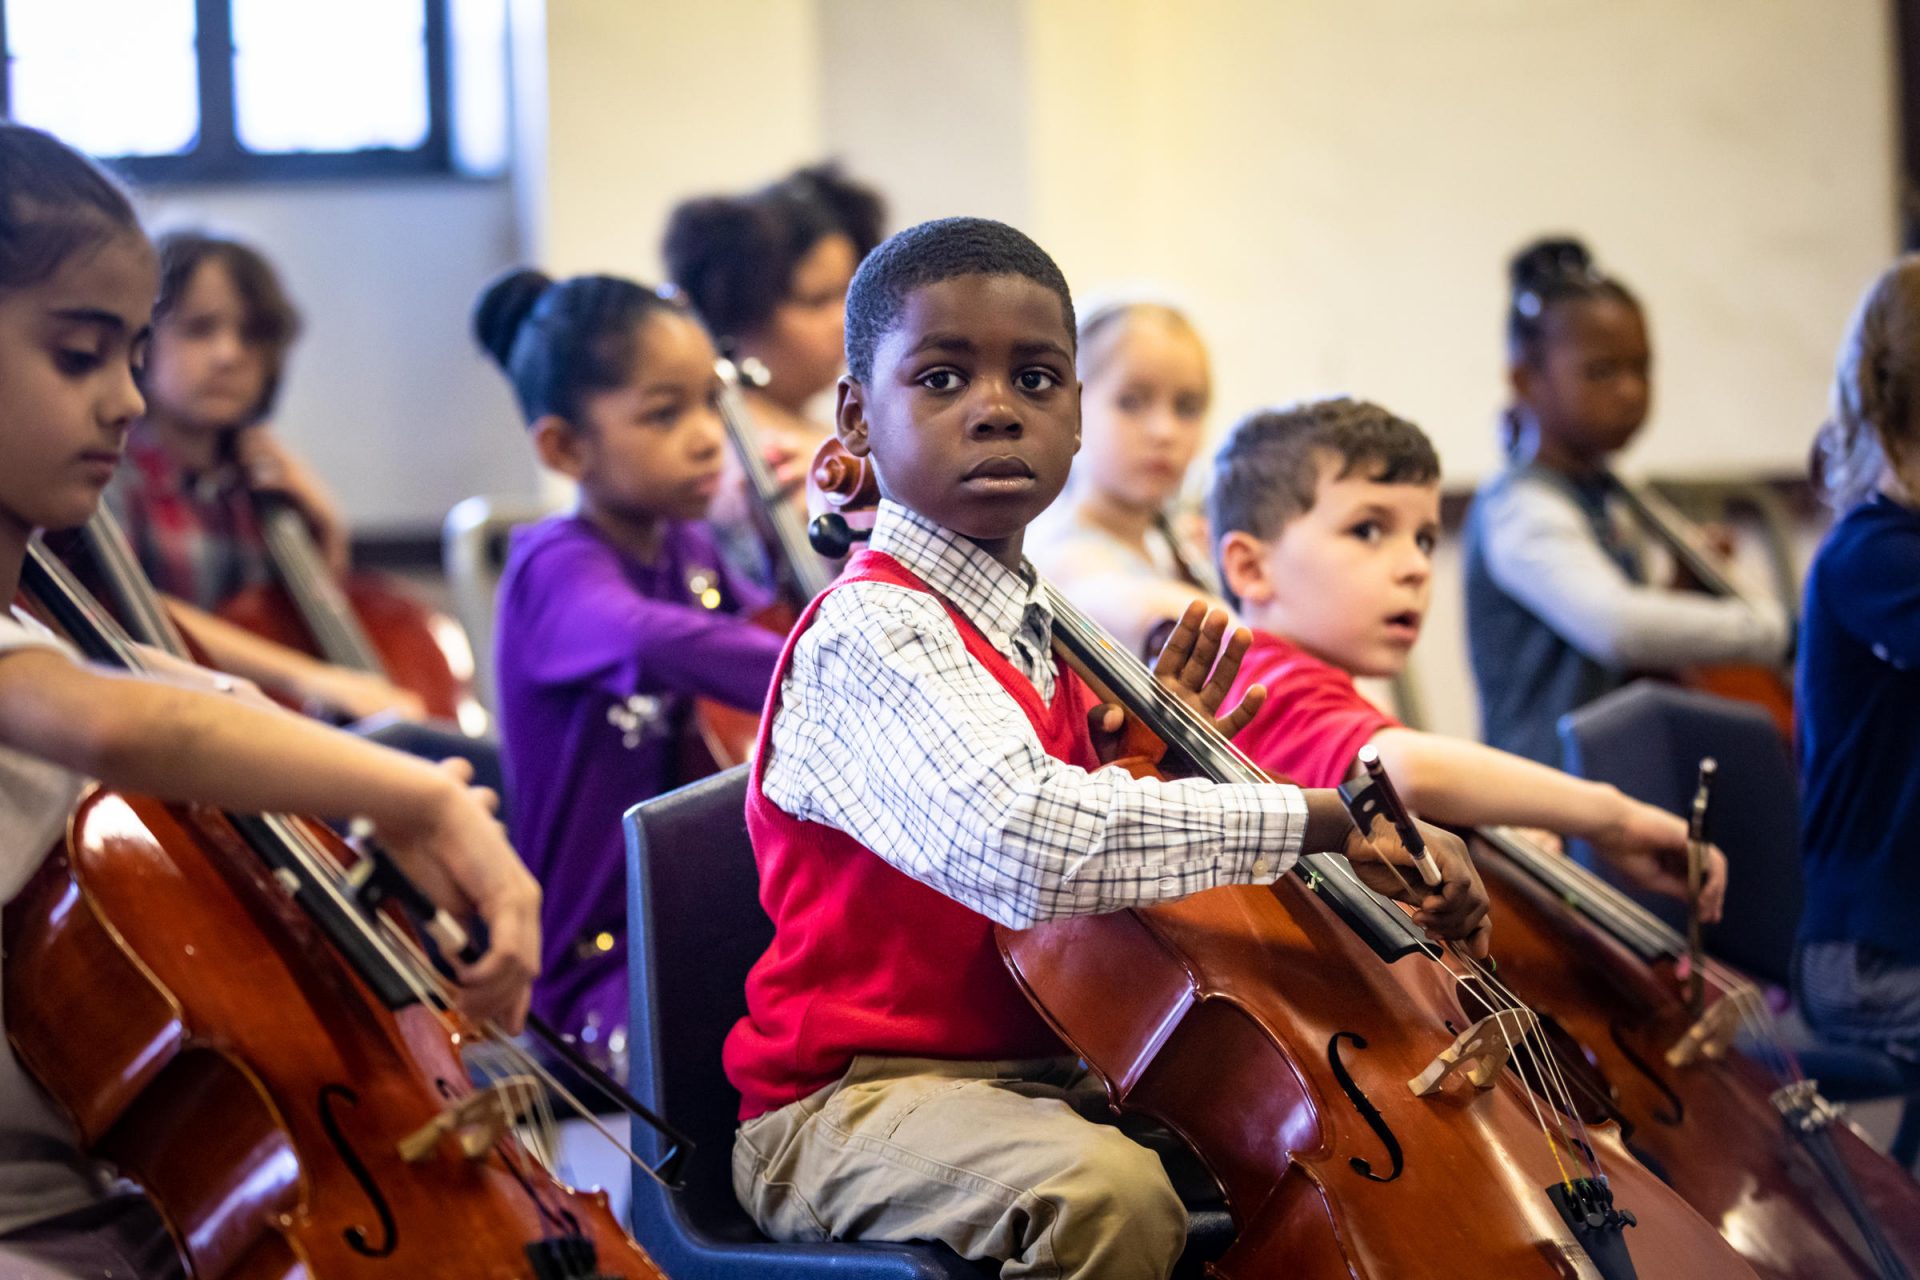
1559, 610
77, 281
202, 451
614, 617
1857, 972
768, 273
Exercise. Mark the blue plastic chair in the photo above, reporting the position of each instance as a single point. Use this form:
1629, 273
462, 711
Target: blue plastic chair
1648, 739
694, 918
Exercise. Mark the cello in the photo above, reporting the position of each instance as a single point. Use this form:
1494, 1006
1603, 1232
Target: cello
367, 623
726, 734
1753, 1147
1318, 1053
1768, 687
239, 1013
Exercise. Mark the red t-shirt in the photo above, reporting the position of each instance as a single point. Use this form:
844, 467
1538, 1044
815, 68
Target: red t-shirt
1314, 721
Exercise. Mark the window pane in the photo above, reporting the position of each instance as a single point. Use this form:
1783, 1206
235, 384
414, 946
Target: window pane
479, 85
330, 75
111, 77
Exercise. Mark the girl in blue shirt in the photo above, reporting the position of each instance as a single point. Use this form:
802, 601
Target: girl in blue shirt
1858, 689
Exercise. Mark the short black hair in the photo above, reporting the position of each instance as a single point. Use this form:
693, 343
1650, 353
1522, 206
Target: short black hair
735, 256
54, 203
943, 249
557, 342
1267, 469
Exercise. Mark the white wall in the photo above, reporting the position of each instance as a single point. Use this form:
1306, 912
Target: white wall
385, 393
1336, 186
1332, 185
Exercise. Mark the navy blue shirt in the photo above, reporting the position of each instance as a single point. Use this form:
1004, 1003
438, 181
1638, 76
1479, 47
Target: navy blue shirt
1858, 703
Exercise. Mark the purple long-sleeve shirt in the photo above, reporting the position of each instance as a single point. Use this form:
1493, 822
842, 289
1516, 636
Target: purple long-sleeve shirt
597, 657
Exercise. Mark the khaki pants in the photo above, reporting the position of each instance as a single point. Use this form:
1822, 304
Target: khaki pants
998, 1160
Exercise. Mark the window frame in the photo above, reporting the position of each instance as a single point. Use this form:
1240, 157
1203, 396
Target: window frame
217, 156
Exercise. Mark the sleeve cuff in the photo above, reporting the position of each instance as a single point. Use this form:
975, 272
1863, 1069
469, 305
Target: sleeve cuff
1266, 825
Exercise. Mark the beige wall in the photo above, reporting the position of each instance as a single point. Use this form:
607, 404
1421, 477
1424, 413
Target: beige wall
1332, 185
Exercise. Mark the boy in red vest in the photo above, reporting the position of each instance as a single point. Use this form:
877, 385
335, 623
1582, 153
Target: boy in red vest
927, 769
1325, 517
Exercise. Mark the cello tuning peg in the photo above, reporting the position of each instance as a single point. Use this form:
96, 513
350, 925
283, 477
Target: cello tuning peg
833, 537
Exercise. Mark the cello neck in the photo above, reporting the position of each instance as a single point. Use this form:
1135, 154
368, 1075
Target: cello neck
1681, 537
316, 596
1607, 908
309, 873
1118, 676
805, 572
147, 617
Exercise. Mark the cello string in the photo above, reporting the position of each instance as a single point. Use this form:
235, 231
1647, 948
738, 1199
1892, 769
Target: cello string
1546, 1131
1203, 740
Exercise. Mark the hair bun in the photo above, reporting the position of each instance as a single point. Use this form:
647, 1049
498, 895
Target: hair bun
503, 307
1547, 261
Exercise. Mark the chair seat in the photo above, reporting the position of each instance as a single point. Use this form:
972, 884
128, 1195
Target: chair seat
695, 928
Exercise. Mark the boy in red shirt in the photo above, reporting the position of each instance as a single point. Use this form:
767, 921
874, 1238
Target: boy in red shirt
927, 769
1325, 517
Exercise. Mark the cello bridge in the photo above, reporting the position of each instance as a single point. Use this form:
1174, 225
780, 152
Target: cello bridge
1712, 1035
1479, 1052
1802, 1107
476, 1121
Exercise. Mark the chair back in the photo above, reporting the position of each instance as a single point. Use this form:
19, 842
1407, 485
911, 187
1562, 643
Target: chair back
1648, 740
473, 550
695, 928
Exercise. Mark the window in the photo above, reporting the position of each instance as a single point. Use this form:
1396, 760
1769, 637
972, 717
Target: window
222, 90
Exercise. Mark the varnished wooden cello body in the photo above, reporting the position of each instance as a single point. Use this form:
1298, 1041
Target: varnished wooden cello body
1280, 1031
367, 623
1755, 1152
235, 1021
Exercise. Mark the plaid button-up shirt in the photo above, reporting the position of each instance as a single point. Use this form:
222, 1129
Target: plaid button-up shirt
889, 731
195, 533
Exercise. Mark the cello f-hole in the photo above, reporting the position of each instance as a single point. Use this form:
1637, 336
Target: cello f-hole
1368, 1112
356, 1237
1675, 1110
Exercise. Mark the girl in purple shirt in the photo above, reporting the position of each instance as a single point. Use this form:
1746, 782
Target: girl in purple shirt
613, 618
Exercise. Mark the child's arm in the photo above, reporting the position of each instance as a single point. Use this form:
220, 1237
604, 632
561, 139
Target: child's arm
890, 731
183, 745
1872, 584
290, 673
274, 468
581, 620
1466, 784
1541, 552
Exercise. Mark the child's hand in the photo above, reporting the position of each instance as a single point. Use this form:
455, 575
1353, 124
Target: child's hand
272, 468
458, 853
1194, 651
1649, 847
1455, 910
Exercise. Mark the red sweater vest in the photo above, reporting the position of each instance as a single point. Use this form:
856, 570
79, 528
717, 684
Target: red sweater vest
865, 959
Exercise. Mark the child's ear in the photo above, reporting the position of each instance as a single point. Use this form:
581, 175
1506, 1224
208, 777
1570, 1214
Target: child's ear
1243, 563
559, 445
850, 415
1079, 403
1522, 379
